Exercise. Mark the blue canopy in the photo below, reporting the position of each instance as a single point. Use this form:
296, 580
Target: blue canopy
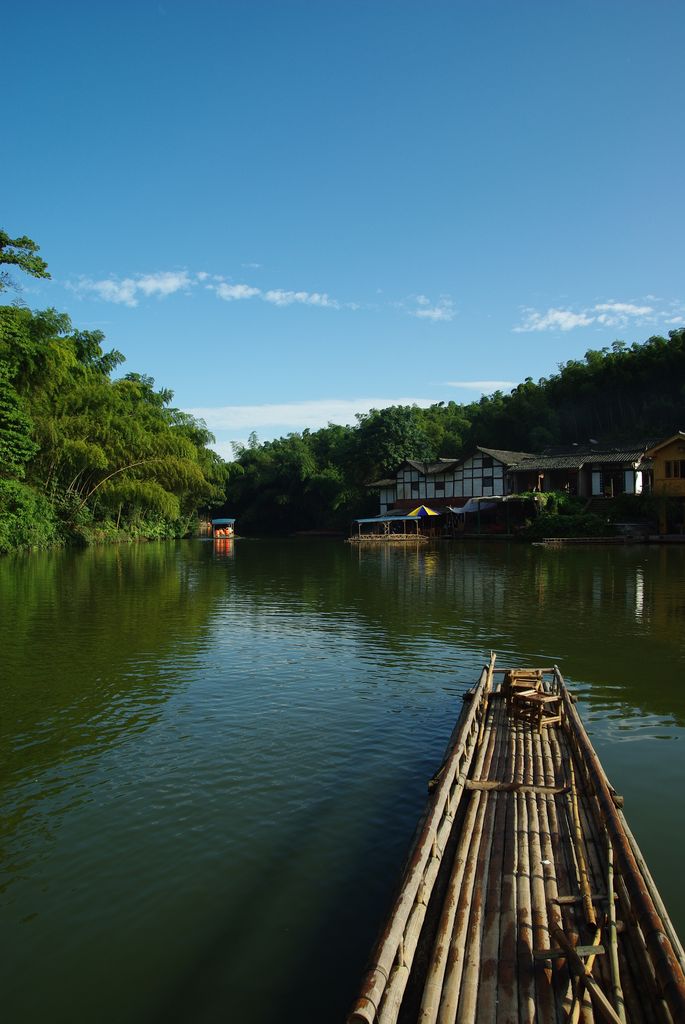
223, 522
388, 519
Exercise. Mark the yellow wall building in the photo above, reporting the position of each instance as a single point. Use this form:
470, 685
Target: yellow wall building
669, 472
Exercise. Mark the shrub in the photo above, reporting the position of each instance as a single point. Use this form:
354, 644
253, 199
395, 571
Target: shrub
27, 518
578, 525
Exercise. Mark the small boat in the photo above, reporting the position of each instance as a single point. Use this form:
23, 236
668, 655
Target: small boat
222, 529
525, 896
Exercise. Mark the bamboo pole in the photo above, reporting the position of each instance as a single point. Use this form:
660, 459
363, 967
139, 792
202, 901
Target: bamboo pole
667, 967
613, 936
566, 871
589, 964
654, 892
433, 985
524, 947
586, 893
489, 968
540, 887
426, 849
602, 1004
454, 963
507, 979
469, 987
546, 814
636, 955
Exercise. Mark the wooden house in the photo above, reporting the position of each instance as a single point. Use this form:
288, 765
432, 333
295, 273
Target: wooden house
448, 482
668, 468
589, 471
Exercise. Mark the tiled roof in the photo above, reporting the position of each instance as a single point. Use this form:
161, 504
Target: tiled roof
430, 468
508, 458
654, 446
581, 455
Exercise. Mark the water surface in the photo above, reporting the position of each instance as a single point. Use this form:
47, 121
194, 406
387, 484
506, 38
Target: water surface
213, 758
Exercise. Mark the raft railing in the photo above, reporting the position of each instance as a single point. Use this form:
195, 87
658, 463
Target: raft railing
638, 895
398, 942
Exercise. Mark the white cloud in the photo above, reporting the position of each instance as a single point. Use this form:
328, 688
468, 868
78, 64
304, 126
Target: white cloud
484, 386
279, 297
235, 291
553, 319
165, 283
626, 308
125, 291
443, 310
609, 313
314, 413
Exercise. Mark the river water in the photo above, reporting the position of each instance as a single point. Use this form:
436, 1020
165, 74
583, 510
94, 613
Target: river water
213, 758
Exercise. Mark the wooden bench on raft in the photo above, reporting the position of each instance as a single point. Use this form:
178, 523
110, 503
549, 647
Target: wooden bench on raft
527, 698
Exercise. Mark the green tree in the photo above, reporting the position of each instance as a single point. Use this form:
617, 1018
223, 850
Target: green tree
20, 252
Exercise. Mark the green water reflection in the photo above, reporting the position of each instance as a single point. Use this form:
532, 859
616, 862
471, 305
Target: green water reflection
212, 759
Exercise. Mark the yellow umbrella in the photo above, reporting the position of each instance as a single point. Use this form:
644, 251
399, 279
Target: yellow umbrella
423, 510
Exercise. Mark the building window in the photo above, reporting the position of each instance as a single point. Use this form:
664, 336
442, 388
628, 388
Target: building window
487, 481
414, 488
487, 462
440, 486
675, 468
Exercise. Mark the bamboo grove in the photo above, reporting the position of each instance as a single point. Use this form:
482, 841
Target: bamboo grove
84, 455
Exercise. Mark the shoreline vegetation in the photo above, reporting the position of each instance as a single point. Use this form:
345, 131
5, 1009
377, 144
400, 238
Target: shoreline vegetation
88, 457
85, 456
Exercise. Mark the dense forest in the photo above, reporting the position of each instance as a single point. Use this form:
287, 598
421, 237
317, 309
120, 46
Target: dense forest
316, 479
85, 456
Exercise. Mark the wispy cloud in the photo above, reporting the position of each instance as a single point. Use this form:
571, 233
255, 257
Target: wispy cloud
131, 290
126, 291
553, 319
313, 413
229, 292
442, 310
278, 297
484, 386
611, 313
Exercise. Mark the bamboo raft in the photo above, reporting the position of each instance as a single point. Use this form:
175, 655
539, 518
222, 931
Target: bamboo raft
525, 896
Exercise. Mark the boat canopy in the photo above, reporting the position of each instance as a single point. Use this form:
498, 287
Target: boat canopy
223, 522
387, 519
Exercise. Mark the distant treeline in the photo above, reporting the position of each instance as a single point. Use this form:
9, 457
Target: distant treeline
316, 479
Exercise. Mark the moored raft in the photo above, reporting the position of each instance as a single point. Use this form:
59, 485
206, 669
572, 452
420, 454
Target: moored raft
525, 896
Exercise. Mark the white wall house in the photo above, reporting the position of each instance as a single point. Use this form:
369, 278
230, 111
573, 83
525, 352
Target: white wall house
447, 481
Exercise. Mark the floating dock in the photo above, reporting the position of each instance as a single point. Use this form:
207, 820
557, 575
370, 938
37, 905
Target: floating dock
525, 897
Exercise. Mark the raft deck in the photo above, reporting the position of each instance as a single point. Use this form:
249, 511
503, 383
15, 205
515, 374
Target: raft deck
525, 897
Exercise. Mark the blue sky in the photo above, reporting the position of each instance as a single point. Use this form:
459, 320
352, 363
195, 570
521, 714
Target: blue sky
291, 211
